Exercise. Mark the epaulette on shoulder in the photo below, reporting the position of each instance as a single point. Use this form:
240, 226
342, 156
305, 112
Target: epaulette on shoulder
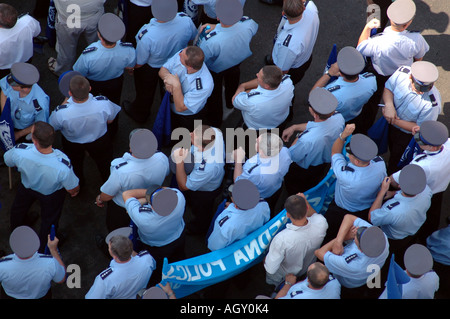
143, 253
61, 107
348, 259
89, 50
377, 159
142, 34
65, 162
101, 98
334, 88
367, 75
421, 157
37, 107
285, 77
182, 14
390, 206
405, 69
126, 44
250, 94
210, 35
223, 220
45, 256
120, 165
5, 259
347, 169
105, 273
287, 40
145, 209
414, 31
245, 18
21, 146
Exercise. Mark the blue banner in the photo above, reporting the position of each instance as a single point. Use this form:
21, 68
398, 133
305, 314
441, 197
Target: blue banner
7, 138
162, 127
396, 278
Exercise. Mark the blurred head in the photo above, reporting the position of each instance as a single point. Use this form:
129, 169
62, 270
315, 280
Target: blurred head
268, 144
203, 136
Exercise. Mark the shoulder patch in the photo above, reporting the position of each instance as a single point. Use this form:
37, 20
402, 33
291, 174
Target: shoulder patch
126, 44
347, 169
414, 31
244, 18
252, 168
377, 159
223, 220
142, 34
367, 75
210, 35
334, 88
348, 259
66, 162
285, 77
182, 14
250, 94
21, 146
105, 273
198, 84
287, 40
61, 107
120, 165
295, 293
433, 100
143, 253
421, 157
37, 107
405, 69
89, 50
145, 209
101, 98
5, 259
45, 256
390, 206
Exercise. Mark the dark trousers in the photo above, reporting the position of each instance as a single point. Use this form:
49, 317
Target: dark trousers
173, 251
187, 121
146, 79
201, 204
299, 180
136, 18
399, 246
112, 89
397, 141
334, 216
433, 218
116, 216
297, 74
51, 209
100, 150
228, 79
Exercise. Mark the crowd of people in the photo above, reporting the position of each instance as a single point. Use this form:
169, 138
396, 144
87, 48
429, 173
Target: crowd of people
190, 52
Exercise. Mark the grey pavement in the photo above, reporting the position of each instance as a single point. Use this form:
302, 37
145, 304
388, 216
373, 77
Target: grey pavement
341, 24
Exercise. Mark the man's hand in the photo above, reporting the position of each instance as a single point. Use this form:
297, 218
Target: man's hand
389, 113
373, 24
287, 133
348, 130
334, 70
239, 155
171, 81
179, 155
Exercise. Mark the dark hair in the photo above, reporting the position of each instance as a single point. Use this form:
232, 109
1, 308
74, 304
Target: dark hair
296, 206
79, 87
121, 247
195, 57
348, 76
318, 276
272, 76
293, 8
44, 134
8, 16
323, 117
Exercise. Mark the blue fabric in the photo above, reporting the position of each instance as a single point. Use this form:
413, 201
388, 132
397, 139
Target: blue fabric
219, 210
410, 152
7, 138
50, 31
379, 134
162, 128
332, 58
396, 278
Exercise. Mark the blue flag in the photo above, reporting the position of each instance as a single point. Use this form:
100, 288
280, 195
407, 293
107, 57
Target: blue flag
332, 58
7, 138
396, 278
379, 134
410, 152
50, 31
162, 127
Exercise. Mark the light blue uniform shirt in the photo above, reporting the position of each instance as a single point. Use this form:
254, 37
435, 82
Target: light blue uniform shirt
409, 105
352, 96
267, 173
156, 42
266, 109
196, 87
154, 229
123, 281
208, 171
84, 122
227, 47
357, 187
233, 224
129, 172
43, 173
294, 43
313, 147
98, 63
332, 290
29, 278
352, 268
439, 245
402, 216
25, 111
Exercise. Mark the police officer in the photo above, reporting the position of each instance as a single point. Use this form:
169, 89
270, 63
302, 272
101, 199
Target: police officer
438, 244
358, 179
311, 149
265, 102
434, 143
16, 37
203, 184
349, 263
295, 39
127, 273
46, 175
190, 83
29, 103
410, 97
141, 167
423, 281
394, 47
246, 213
158, 215
157, 41
104, 62
83, 123
136, 14
208, 9
226, 46
27, 274
266, 169
353, 88
402, 215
